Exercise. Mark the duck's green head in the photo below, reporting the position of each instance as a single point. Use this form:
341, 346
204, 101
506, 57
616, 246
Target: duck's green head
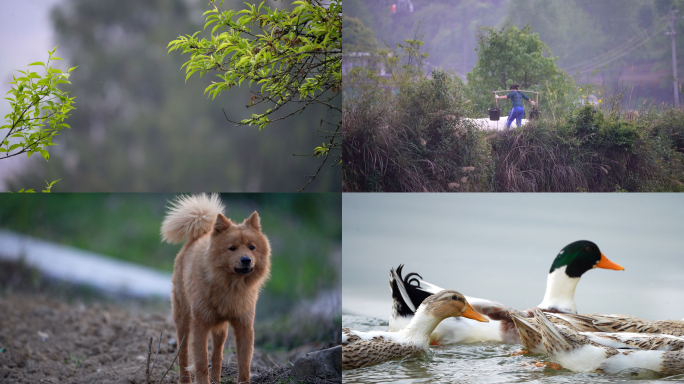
580, 257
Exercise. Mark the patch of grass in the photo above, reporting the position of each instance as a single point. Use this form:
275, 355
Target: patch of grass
73, 359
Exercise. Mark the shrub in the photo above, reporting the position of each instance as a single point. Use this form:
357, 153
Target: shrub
408, 133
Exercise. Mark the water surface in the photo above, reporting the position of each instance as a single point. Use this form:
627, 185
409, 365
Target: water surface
474, 363
500, 247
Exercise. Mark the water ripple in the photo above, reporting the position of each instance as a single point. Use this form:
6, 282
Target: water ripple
473, 363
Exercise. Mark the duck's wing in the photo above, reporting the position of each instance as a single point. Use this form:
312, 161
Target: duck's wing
569, 348
624, 323
530, 336
582, 323
362, 349
670, 327
643, 341
492, 309
349, 336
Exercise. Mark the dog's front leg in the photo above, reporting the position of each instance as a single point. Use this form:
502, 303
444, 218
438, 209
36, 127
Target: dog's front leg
218, 335
244, 338
200, 333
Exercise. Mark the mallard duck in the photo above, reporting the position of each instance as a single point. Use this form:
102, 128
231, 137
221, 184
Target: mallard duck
594, 322
531, 337
577, 352
361, 349
571, 263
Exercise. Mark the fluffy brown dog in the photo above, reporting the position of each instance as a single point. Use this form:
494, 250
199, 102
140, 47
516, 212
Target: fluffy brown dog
216, 281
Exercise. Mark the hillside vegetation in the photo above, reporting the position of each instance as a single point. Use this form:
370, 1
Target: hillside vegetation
408, 133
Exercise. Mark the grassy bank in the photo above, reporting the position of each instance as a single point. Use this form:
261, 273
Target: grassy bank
412, 137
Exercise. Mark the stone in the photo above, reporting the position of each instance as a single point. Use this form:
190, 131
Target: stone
325, 364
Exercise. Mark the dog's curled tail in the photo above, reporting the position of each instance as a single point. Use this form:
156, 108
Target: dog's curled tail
190, 217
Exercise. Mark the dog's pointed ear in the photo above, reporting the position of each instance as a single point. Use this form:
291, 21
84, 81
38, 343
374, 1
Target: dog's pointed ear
253, 221
221, 224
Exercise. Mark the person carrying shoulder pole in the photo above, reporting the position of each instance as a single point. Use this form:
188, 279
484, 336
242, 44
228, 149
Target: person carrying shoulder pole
517, 110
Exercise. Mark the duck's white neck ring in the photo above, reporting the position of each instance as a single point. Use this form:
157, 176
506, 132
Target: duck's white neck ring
560, 291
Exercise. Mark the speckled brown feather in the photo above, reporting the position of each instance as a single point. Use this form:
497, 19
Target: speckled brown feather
351, 337
625, 323
566, 339
649, 342
358, 353
673, 363
509, 332
530, 336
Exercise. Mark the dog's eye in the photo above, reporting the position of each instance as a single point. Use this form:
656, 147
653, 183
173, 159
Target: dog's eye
251, 247
233, 248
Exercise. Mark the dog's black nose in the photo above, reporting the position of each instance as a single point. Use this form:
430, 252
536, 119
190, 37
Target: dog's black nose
245, 261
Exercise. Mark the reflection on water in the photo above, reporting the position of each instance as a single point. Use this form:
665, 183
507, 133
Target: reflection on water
471, 363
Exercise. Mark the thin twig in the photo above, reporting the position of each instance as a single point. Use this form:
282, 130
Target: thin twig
271, 360
156, 354
147, 369
174, 360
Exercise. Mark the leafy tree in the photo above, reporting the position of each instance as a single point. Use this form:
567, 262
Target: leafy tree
295, 56
357, 37
35, 101
508, 56
407, 63
139, 127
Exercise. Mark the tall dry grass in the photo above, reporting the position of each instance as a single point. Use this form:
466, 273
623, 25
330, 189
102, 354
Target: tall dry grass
412, 137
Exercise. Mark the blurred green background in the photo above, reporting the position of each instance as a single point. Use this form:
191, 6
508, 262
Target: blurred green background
139, 127
304, 231
300, 304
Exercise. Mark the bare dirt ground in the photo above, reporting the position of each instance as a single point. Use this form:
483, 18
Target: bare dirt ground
46, 339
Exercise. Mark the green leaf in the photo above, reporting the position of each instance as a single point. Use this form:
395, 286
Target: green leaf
36, 63
48, 187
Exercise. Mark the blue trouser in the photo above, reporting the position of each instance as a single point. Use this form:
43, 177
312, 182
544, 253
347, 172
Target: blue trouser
517, 113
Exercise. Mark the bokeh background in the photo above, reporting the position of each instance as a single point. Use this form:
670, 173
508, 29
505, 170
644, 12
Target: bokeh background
304, 231
501, 246
138, 127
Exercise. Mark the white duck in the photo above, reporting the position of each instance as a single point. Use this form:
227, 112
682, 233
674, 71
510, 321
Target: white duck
571, 263
361, 349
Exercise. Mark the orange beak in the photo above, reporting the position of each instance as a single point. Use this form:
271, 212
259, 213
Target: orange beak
473, 314
607, 264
